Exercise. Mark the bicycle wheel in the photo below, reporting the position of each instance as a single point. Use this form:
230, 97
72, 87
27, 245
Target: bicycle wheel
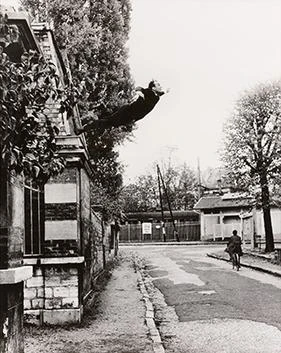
233, 260
236, 261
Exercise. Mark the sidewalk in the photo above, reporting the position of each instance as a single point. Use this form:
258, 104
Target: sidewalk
253, 260
120, 323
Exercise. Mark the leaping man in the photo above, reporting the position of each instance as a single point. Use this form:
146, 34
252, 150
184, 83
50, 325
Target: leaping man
143, 104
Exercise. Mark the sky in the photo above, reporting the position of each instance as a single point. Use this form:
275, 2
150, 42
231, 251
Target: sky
13, 3
207, 52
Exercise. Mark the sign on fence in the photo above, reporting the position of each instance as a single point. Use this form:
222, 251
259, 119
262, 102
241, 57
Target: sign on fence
146, 228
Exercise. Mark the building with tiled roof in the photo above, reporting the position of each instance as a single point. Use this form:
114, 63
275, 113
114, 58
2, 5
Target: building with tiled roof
224, 202
221, 214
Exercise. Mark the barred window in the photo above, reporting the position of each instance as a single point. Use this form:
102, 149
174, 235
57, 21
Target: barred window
34, 219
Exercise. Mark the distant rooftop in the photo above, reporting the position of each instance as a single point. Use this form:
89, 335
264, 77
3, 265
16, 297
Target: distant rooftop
141, 216
224, 201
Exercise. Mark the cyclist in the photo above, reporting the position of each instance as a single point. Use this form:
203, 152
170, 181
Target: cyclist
234, 247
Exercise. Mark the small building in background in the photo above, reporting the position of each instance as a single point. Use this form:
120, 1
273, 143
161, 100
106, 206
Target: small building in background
220, 214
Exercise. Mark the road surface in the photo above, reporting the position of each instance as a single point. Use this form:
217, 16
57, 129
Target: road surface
203, 305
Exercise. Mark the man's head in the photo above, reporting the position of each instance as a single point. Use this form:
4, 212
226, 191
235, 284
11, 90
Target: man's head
156, 87
234, 232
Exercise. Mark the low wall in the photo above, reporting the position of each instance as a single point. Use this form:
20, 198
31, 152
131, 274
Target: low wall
53, 294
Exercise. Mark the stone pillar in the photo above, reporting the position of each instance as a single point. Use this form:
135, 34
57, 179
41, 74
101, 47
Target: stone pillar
12, 273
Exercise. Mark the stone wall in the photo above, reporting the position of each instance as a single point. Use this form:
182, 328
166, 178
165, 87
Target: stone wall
76, 248
52, 295
95, 235
94, 253
75, 251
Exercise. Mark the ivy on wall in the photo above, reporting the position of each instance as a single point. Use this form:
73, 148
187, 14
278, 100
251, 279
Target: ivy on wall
28, 87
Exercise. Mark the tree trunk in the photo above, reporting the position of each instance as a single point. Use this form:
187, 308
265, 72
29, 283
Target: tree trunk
269, 241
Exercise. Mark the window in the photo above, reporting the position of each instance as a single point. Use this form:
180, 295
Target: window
34, 219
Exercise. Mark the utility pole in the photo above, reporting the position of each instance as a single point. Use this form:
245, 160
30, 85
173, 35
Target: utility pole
199, 178
169, 204
161, 205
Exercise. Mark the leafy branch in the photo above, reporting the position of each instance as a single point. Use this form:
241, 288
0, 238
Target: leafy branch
28, 89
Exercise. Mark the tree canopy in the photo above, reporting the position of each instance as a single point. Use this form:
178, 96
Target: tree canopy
93, 34
27, 86
143, 195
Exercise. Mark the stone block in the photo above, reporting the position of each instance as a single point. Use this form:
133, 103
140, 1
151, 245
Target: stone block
37, 303
73, 292
71, 281
29, 293
149, 306
27, 304
52, 281
60, 292
73, 271
37, 271
158, 348
32, 317
52, 271
34, 282
149, 314
62, 316
49, 292
40, 293
15, 275
62, 260
70, 302
55, 303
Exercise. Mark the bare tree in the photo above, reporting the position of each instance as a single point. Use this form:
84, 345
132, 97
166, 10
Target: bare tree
252, 153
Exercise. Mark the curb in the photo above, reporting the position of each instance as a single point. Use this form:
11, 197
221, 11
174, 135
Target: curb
258, 256
174, 243
157, 344
257, 268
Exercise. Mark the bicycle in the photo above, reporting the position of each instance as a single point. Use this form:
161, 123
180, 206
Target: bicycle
236, 261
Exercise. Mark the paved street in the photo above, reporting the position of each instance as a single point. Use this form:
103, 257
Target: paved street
202, 305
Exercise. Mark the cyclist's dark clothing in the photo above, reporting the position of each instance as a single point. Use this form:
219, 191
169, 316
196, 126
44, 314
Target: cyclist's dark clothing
234, 245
